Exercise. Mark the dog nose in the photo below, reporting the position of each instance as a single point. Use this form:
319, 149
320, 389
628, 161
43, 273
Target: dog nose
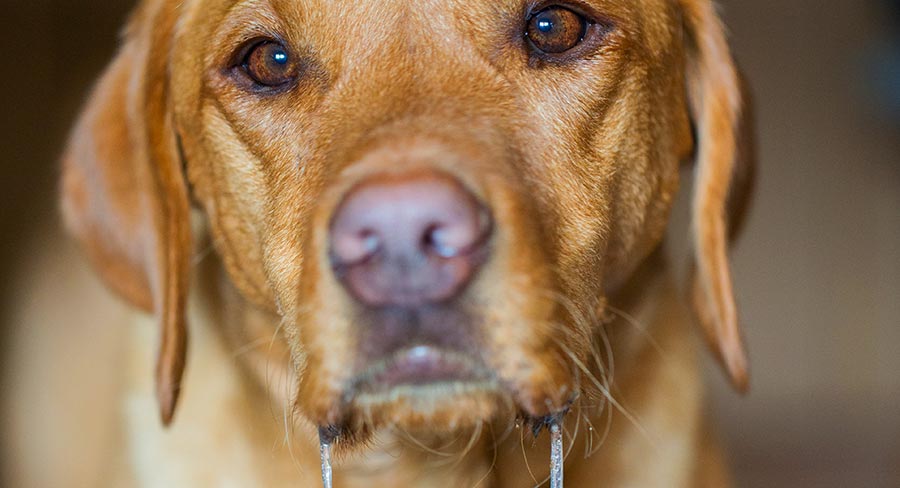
408, 240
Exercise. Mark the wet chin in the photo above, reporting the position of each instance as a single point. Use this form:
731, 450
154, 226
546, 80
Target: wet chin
445, 407
428, 391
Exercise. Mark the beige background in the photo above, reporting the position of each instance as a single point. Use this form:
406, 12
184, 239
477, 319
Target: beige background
817, 271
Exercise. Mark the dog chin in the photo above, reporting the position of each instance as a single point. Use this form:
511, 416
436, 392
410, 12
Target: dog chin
431, 409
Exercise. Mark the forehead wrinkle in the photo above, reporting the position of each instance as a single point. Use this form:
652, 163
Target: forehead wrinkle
342, 33
245, 19
466, 47
459, 29
305, 21
623, 13
301, 23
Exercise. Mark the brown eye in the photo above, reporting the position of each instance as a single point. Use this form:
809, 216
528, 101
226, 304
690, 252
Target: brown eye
555, 30
270, 64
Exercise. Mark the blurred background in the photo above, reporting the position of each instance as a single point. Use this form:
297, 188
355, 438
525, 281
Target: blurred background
817, 269
818, 266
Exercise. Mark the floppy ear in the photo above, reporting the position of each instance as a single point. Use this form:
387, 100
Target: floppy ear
723, 179
123, 193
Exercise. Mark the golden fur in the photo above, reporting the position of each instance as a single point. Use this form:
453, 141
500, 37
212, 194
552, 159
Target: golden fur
578, 160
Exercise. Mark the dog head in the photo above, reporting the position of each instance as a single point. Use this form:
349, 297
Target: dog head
435, 197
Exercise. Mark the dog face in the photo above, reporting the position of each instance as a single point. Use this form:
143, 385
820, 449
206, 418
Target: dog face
435, 197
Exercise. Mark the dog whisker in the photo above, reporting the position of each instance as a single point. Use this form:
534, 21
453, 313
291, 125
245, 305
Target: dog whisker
574, 434
421, 445
634, 322
198, 257
288, 411
604, 388
608, 394
476, 434
248, 347
493, 458
606, 374
610, 369
511, 423
607, 428
589, 440
525, 454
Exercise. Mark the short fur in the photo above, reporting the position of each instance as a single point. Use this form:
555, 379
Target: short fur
578, 160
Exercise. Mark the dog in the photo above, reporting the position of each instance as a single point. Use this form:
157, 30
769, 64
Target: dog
416, 233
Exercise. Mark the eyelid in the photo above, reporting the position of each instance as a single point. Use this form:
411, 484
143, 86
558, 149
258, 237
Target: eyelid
242, 53
576, 6
605, 19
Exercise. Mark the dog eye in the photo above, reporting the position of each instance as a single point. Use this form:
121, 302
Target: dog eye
556, 30
270, 64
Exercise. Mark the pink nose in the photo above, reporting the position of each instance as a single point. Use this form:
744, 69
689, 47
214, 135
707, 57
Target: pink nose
408, 240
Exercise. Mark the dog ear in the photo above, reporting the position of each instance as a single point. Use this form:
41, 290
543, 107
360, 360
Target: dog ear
724, 173
124, 196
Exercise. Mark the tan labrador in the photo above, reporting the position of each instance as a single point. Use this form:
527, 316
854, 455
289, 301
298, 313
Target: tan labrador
434, 232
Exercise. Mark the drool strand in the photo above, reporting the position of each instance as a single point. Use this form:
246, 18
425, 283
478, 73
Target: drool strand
325, 454
556, 455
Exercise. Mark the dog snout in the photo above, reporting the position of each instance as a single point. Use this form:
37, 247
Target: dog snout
408, 240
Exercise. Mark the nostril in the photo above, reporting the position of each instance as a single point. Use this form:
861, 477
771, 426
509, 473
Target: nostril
439, 240
456, 237
350, 248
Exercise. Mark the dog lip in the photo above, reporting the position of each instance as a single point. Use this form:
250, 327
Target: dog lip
421, 365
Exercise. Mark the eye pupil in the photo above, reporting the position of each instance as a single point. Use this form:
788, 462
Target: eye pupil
555, 30
544, 25
269, 64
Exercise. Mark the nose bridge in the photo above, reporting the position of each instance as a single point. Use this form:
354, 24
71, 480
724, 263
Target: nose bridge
418, 71
416, 120
417, 99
